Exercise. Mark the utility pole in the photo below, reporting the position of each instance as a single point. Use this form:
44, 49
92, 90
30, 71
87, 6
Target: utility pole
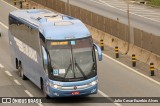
68, 7
128, 36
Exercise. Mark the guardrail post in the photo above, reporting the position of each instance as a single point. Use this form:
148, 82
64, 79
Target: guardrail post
133, 60
21, 4
101, 44
27, 6
15, 2
152, 69
117, 52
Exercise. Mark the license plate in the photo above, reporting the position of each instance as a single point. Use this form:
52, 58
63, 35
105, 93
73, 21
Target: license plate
75, 93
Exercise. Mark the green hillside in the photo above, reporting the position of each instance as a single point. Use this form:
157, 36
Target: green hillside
155, 2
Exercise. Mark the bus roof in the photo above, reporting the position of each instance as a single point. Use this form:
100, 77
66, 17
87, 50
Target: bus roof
53, 26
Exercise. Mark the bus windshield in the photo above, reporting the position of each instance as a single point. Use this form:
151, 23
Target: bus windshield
72, 60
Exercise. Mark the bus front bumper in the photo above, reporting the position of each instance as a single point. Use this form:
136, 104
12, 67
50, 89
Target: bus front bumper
66, 93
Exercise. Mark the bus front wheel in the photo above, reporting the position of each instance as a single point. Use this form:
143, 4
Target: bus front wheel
44, 91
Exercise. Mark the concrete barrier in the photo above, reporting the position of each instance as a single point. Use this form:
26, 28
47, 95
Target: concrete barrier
141, 54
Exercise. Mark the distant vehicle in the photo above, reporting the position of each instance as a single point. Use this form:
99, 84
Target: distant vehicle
56, 52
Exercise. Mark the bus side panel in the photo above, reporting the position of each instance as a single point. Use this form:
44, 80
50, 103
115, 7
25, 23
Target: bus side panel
13, 48
26, 47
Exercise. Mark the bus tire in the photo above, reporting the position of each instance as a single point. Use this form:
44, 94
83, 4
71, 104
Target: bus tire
43, 90
17, 65
21, 73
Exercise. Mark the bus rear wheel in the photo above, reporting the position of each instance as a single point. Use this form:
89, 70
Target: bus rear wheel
17, 65
21, 73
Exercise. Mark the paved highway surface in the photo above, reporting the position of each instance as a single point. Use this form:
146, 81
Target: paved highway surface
141, 10
141, 17
115, 80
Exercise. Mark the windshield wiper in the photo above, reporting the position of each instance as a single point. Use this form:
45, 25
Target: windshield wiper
68, 69
76, 64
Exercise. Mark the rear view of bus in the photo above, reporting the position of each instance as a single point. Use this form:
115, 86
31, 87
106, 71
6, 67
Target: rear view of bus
67, 54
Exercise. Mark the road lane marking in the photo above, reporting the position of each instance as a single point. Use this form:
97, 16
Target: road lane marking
101, 3
138, 8
28, 93
4, 25
149, 14
39, 104
104, 95
17, 82
133, 70
97, 2
1, 66
8, 73
9, 4
143, 11
126, 11
154, 15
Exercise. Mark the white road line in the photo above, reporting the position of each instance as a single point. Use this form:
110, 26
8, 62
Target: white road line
97, 2
8, 73
102, 3
4, 25
9, 4
1, 66
156, 18
104, 95
136, 10
28, 93
126, 11
152, 15
144, 13
17, 82
39, 104
117, 4
124, 5
132, 69
134, 7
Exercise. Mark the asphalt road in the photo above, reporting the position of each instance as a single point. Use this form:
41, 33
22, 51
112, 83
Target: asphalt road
115, 80
108, 8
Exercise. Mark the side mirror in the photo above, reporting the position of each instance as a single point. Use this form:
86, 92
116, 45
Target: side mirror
99, 52
45, 58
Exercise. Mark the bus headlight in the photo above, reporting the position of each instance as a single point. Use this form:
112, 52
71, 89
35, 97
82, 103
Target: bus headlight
55, 86
93, 83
